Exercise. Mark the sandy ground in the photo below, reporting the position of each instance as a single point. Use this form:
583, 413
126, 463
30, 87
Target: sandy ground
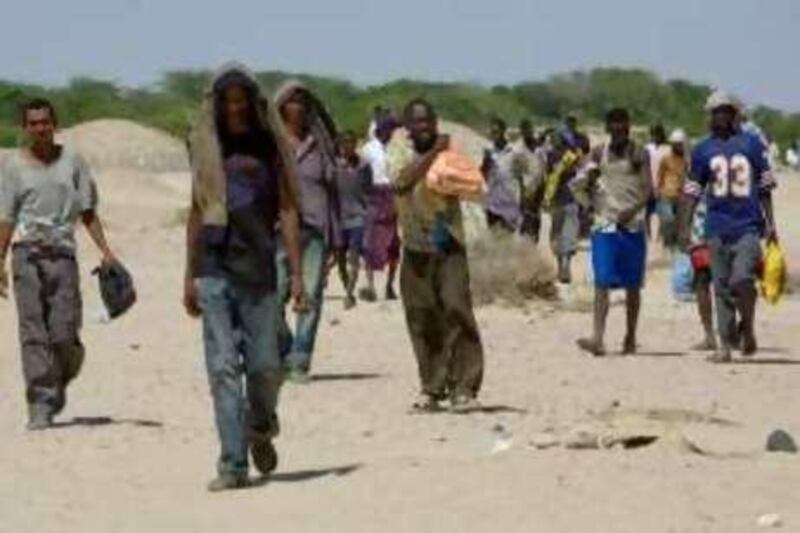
138, 445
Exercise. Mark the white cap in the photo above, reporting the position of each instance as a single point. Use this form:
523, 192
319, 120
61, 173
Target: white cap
677, 137
720, 98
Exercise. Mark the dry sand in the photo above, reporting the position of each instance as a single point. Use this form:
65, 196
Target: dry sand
138, 444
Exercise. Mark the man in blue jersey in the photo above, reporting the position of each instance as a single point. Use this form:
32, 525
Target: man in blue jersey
731, 167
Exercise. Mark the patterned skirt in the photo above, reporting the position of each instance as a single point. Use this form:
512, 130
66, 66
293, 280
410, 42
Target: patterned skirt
381, 240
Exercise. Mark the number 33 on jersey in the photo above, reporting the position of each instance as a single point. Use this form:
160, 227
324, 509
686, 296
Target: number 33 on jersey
731, 177
735, 172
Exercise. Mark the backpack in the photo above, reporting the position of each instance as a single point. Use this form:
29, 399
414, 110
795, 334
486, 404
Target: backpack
116, 288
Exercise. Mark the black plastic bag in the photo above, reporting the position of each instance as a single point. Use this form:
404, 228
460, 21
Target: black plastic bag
116, 288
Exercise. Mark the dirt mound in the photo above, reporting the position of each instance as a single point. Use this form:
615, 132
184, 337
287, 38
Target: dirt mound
122, 144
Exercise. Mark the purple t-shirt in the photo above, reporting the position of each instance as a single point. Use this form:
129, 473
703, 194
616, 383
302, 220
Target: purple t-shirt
253, 200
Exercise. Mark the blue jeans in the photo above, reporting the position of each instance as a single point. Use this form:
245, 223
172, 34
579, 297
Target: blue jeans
241, 340
297, 348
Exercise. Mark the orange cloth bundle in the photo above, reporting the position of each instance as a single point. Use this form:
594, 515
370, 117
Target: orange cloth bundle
453, 174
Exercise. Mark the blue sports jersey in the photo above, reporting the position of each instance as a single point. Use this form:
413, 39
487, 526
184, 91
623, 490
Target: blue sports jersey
735, 173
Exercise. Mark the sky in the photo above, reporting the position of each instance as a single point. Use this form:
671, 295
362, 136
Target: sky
750, 47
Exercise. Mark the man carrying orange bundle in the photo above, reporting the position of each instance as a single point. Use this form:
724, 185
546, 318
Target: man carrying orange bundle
434, 277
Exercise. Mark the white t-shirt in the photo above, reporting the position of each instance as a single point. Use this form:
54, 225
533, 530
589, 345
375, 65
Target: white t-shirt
374, 153
656, 153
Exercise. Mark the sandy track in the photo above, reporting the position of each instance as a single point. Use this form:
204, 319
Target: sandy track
352, 458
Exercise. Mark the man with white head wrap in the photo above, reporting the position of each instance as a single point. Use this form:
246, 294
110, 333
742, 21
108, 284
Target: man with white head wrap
669, 179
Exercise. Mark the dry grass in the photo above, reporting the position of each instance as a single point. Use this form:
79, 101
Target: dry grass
509, 270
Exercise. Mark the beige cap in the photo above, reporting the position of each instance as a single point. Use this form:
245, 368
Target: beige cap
720, 98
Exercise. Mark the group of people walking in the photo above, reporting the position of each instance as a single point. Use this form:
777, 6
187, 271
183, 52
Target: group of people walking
280, 198
713, 203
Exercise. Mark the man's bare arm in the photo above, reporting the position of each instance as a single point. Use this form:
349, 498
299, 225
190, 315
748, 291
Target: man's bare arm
194, 225
686, 208
193, 228
418, 169
768, 207
95, 228
6, 233
290, 231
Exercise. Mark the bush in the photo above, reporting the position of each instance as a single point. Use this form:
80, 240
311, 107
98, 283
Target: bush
510, 270
9, 136
170, 104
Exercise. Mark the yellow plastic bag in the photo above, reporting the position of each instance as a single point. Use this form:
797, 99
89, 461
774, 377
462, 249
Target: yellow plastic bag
553, 180
774, 279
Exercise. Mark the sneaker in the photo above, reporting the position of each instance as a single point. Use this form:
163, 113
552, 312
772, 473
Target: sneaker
390, 294
264, 454
349, 303
426, 404
462, 405
39, 419
591, 346
228, 482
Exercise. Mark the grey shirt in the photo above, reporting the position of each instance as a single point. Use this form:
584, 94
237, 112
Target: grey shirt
353, 182
530, 167
44, 202
503, 196
316, 182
